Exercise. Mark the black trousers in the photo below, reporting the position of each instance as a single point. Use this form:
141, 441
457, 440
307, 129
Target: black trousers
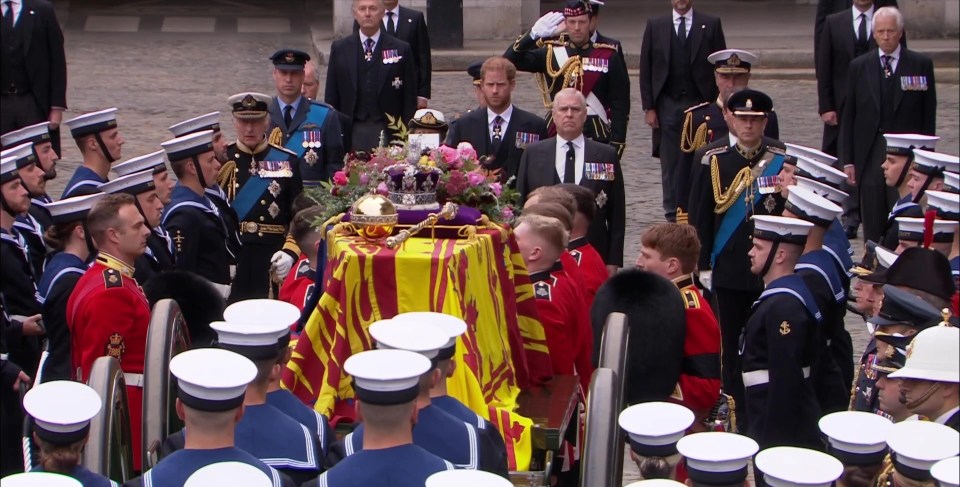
876, 199
851, 205
733, 311
366, 135
18, 111
670, 116
252, 280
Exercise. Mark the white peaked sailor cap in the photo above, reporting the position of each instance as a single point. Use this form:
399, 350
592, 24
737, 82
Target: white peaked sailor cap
934, 355
829, 192
885, 257
811, 207
466, 478
153, 161
947, 472
8, 169
228, 474
823, 173
951, 182
656, 483
268, 311
654, 428
717, 458
733, 61
856, 437
72, 209
189, 145
453, 326
934, 163
23, 154
256, 341
422, 337
781, 229
911, 229
918, 445
62, 410
133, 184
39, 479
946, 204
211, 379
386, 377
904, 144
34, 134
92, 123
787, 466
210, 121
810, 153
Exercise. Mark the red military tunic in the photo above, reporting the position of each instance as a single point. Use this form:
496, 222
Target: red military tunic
592, 268
699, 385
566, 322
108, 315
298, 285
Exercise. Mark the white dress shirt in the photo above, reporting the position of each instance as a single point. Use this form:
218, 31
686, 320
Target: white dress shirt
856, 21
375, 37
688, 22
503, 125
17, 7
561, 160
396, 17
895, 55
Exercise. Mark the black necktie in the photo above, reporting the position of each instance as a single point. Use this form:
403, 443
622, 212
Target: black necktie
497, 133
887, 66
682, 31
287, 115
862, 29
368, 50
391, 25
8, 15
570, 166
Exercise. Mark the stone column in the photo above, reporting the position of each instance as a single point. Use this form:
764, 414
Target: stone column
925, 19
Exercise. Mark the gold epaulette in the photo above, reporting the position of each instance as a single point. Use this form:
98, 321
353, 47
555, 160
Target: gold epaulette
697, 106
690, 299
725, 199
276, 136
227, 177
690, 139
282, 149
713, 152
604, 45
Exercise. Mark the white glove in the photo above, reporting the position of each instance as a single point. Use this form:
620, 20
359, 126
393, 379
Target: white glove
706, 278
281, 263
547, 25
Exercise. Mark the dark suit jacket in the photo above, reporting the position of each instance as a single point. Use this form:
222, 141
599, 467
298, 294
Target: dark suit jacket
412, 29
861, 124
473, 128
43, 51
828, 7
705, 37
397, 81
608, 227
335, 137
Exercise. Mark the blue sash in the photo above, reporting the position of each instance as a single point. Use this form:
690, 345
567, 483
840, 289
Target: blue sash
793, 285
737, 213
256, 185
315, 116
311, 173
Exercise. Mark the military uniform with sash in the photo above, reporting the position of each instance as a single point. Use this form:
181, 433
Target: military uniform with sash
596, 69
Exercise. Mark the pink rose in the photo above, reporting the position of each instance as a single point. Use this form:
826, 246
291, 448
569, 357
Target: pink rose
450, 155
496, 188
475, 178
466, 150
364, 178
340, 178
382, 189
507, 212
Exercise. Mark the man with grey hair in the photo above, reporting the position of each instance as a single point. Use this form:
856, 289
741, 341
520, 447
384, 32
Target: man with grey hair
571, 158
890, 90
311, 81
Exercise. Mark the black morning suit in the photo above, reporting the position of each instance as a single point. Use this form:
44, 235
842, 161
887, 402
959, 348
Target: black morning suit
473, 128
412, 29
828, 7
875, 105
393, 86
33, 60
675, 75
735, 288
537, 168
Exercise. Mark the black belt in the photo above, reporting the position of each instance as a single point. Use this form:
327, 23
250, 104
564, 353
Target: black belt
705, 365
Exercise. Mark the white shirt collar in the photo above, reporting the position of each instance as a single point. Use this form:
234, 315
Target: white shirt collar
577, 143
947, 415
505, 115
895, 54
856, 13
396, 15
375, 37
593, 36
688, 15
733, 139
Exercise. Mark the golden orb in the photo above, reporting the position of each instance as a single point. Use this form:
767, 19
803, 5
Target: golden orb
374, 216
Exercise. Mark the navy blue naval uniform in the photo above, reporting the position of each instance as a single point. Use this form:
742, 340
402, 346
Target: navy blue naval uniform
230, 219
157, 258
288, 404
86, 477
491, 440
21, 297
174, 470
32, 232
904, 207
778, 347
399, 466
438, 433
84, 181
56, 285
199, 235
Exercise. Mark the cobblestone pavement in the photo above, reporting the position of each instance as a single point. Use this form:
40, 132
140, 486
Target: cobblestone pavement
157, 77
